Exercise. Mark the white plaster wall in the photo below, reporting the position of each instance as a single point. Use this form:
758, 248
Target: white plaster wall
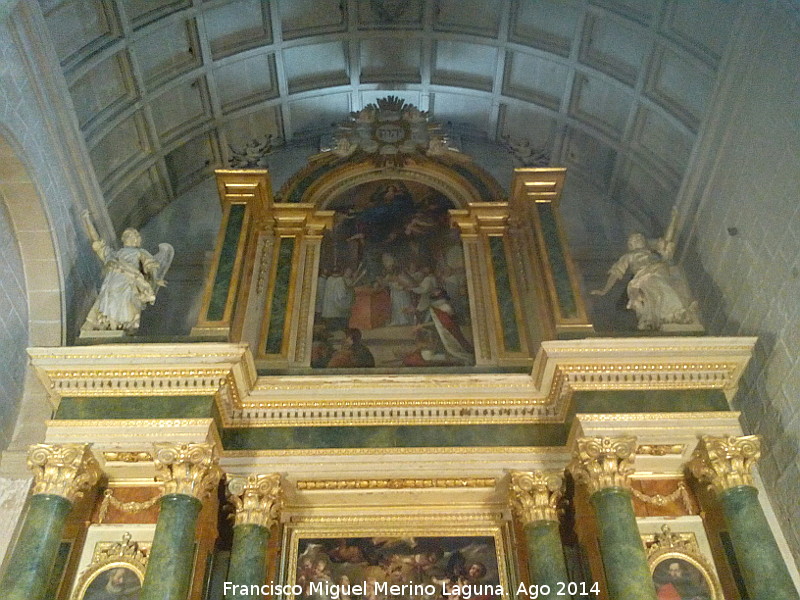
13, 494
743, 255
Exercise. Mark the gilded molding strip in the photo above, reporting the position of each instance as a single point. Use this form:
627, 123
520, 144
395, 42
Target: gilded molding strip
395, 484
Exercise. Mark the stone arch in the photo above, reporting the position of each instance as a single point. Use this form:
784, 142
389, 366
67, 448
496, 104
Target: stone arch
40, 262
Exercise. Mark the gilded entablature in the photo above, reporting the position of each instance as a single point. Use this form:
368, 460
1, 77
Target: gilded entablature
245, 399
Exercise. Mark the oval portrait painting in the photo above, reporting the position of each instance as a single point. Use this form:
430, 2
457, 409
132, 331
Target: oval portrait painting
679, 579
118, 582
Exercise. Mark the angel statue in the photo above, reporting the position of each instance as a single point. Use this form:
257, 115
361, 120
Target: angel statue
132, 277
658, 292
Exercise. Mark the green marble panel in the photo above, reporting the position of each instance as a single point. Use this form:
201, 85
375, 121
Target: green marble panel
137, 407
27, 574
406, 436
280, 296
644, 401
227, 258
557, 261
505, 295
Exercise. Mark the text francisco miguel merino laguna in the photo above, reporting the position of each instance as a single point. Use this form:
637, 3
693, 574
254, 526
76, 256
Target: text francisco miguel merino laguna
374, 590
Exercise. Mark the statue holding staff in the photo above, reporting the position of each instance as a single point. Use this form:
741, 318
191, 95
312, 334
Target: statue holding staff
131, 280
658, 292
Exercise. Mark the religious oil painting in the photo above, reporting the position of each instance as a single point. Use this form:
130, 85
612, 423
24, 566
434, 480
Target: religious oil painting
398, 568
680, 578
392, 287
116, 582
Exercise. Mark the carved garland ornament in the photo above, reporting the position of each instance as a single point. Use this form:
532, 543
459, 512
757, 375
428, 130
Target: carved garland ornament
66, 470
534, 496
725, 462
256, 498
603, 462
190, 469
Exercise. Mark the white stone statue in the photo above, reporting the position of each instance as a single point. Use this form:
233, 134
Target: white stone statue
132, 278
658, 292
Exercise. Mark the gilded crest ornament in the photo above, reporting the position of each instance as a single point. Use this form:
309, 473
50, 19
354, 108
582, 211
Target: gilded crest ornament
391, 132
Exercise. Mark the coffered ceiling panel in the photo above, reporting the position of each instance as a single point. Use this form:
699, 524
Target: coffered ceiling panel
103, 89
255, 125
315, 66
308, 113
181, 108
548, 24
309, 17
601, 103
615, 89
464, 64
680, 83
391, 58
142, 197
167, 51
237, 26
461, 108
390, 14
142, 12
80, 27
535, 78
247, 81
665, 142
119, 149
521, 122
459, 15
614, 46
701, 27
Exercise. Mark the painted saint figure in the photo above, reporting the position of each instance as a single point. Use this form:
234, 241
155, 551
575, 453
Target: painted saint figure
131, 281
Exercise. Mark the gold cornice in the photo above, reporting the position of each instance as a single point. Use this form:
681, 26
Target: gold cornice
724, 462
605, 462
189, 469
66, 470
534, 495
257, 499
395, 484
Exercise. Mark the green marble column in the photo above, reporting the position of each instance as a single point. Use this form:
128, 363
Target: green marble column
257, 500
763, 568
248, 564
624, 559
546, 557
725, 463
27, 574
190, 473
534, 496
61, 475
170, 564
604, 465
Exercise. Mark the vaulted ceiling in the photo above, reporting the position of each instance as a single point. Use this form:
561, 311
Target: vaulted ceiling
616, 90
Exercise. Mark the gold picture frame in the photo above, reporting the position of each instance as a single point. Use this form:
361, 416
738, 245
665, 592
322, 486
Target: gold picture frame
116, 570
679, 568
357, 554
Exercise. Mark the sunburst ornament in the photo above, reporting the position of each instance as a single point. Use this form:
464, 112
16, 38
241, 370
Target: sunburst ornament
391, 131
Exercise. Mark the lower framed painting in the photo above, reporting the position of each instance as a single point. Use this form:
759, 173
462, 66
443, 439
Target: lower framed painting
113, 562
680, 559
407, 563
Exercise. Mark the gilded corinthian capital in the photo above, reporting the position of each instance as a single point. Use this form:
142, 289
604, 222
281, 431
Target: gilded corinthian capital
257, 499
66, 470
190, 469
534, 495
603, 462
725, 461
